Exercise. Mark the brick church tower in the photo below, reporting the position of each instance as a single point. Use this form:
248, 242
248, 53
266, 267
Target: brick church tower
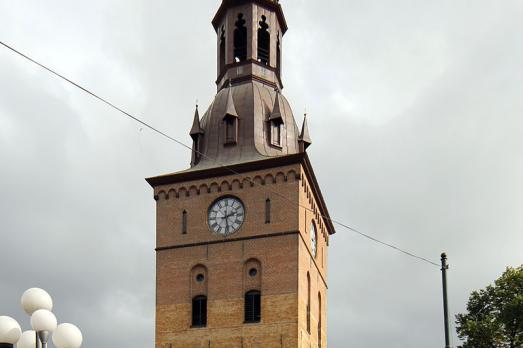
242, 236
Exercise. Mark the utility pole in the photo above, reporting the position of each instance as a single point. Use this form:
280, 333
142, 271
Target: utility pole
444, 268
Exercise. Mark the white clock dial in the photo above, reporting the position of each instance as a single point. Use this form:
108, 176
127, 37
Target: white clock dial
226, 216
314, 240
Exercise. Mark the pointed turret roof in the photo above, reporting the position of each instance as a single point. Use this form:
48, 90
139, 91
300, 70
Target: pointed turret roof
230, 109
276, 110
305, 137
196, 127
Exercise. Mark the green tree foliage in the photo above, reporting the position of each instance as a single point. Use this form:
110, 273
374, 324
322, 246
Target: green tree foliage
495, 314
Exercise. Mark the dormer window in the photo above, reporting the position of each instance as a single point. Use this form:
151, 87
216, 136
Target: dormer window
276, 132
240, 40
231, 129
264, 42
230, 120
276, 122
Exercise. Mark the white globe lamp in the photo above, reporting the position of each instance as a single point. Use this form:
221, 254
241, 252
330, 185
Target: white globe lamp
43, 322
10, 332
35, 299
67, 336
27, 340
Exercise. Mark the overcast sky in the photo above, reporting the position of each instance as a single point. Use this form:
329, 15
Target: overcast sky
416, 114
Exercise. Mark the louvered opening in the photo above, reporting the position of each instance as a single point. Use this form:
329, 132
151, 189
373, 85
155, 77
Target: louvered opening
199, 311
253, 307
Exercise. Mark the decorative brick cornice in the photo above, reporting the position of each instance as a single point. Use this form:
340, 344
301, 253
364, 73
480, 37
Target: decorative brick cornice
222, 171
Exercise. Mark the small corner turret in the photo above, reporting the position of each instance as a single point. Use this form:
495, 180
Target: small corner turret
196, 134
305, 139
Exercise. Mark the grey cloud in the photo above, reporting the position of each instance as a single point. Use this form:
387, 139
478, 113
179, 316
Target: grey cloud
425, 96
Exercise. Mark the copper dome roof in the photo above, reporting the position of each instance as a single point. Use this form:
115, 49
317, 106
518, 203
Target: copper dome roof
254, 104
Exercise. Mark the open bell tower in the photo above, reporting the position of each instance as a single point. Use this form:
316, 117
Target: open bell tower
242, 235
250, 39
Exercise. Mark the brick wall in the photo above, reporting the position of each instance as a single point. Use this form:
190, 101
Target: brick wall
280, 249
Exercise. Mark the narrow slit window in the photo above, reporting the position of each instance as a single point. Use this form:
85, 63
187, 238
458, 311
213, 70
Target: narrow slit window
264, 42
268, 211
308, 303
253, 307
240, 39
319, 320
222, 50
199, 311
278, 55
184, 222
196, 150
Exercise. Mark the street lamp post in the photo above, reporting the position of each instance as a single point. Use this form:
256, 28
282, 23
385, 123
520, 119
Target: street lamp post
43, 322
38, 304
35, 299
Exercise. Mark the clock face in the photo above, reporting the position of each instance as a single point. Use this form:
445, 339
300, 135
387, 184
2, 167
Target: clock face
226, 216
314, 240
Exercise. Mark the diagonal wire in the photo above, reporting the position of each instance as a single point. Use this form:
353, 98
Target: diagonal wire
158, 131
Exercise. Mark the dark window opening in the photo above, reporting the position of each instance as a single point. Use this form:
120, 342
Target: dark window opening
253, 272
278, 56
253, 307
184, 222
264, 42
308, 303
230, 130
199, 311
240, 40
319, 320
268, 211
222, 50
200, 278
197, 152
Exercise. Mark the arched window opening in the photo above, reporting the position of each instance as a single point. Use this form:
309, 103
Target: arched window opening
222, 50
264, 42
184, 222
240, 40
199, 311
231, 130
319, 320
268, 211
253, 307
278, 55
308, 303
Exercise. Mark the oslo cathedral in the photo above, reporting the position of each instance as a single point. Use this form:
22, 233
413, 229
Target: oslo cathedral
242, 236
